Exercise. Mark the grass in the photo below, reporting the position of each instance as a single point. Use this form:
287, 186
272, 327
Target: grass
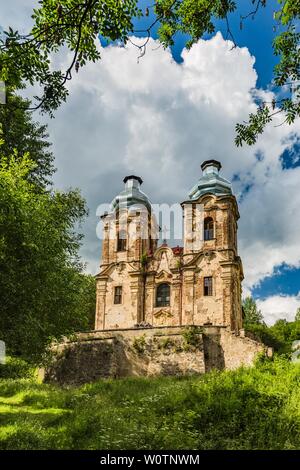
251, 408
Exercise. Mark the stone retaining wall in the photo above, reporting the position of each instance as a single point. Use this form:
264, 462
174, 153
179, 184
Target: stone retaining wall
149, 352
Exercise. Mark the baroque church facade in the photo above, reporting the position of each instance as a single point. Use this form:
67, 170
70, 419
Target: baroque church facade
143, 284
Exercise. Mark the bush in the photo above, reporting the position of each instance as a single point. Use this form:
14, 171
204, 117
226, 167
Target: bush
191, 337
280, 336
16, 368
264, 334
139, 344
44, 293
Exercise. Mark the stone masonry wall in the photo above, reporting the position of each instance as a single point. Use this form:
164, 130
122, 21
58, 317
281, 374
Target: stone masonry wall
240, 350
149, 352
135, 352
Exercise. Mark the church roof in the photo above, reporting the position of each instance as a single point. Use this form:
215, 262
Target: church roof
210, 181
131, 195
177, 250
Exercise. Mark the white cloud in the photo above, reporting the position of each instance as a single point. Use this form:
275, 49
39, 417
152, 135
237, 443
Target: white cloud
161, 120
279, 306
17, 14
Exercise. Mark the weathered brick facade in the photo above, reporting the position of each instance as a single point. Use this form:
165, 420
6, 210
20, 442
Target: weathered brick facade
198, 284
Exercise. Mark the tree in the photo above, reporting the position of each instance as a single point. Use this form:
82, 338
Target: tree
44, 294
251, 313
285, 332
297, 316
77, 24
21, 133
279, 336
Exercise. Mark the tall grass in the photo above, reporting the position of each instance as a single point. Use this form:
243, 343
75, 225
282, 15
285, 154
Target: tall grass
250, 408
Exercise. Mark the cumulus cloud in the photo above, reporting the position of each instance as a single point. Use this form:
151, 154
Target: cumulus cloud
17, 14
160, 120
279, 306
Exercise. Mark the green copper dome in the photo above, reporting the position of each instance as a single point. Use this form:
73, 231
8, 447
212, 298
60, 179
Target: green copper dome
131, 195
210, 181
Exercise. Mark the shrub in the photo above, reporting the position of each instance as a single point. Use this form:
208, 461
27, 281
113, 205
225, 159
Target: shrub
16, 368
192, 337
280, 336
139, 344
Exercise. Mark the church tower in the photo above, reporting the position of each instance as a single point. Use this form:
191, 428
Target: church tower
197, 284
129, 236
212, 272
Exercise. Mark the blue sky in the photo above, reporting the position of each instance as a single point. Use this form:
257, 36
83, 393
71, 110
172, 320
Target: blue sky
285, 281
257, 35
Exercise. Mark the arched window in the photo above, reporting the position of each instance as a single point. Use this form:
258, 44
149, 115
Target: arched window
163, 295
208, 228
122, 236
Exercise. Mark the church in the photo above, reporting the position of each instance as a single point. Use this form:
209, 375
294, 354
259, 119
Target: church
199, 283
164, 310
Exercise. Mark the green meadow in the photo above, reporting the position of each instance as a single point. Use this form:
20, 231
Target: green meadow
250, 408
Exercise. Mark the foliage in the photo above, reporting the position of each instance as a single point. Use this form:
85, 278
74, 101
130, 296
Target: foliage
21, 133
286, 332
44, 295
165, 343
251, 313
279, 336
76, 26
73, 24
191, 336
16, 368
144, 261
286, 75
139, 344
262, 332
179, 264
250, 408
88, 299
297, 316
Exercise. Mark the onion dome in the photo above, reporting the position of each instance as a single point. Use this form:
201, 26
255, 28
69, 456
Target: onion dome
210, 182
131, 197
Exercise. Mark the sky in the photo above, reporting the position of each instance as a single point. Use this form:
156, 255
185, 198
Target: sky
161, 117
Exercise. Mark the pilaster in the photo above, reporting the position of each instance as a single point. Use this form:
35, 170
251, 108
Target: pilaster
100, 303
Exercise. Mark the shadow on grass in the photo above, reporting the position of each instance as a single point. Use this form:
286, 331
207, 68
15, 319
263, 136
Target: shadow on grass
255, 408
